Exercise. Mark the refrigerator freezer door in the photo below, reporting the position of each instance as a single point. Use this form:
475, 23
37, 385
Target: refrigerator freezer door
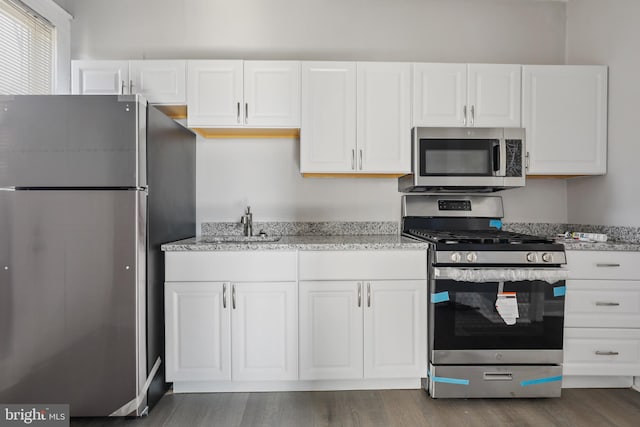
69, 291
71, 141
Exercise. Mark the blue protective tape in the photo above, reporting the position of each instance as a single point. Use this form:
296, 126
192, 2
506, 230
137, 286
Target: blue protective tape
559, 291
440, 297
446, 380
541, 381
495, 223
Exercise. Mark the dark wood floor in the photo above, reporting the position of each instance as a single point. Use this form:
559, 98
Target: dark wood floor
576, 407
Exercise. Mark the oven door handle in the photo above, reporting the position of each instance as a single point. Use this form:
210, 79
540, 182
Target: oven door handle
480, 275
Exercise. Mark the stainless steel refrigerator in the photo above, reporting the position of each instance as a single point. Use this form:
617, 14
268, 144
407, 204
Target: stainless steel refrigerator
90, 187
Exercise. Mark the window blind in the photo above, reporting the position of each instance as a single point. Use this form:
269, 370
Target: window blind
27, 49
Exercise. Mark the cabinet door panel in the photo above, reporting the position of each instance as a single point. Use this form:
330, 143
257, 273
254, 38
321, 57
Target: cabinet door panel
272, 93
99, 77
328, 125
198, 338
265, 345
383, 120
330, 331
395, 329
494, 95
214, 93
161, 82
564, 111
440, 94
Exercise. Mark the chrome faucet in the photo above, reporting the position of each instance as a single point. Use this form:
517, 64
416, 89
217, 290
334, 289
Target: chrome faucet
247, 222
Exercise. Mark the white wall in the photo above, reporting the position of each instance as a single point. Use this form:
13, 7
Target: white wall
607, 32
265, 173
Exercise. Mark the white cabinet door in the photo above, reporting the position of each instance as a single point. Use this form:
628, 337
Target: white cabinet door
328, 124
99, 77
272, 94
564, 112
214, 93
395, 333
330, 330
493, 95
383, 119
264, 331
160, 81
439, 94
198, 339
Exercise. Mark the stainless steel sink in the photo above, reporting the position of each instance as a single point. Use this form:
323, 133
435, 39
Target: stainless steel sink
240, 239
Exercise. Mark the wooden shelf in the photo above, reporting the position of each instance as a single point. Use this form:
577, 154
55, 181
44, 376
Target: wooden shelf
556, 176
352, 175
174, 111
247, 133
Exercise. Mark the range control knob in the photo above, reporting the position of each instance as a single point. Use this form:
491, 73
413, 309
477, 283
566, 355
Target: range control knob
456, 257
547, 257
472, 257
532, 257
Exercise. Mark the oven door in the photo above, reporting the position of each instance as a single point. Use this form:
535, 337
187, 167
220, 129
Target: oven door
496, 316
461, 157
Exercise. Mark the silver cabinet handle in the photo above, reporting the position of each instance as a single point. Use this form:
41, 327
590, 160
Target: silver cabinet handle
359, 294
130, 87
238, 112
360, 159
224, 295
368, 294
607, 304
353, 159
246, 112
121, 87
607, 353
473, 114
464, 115
605, 264
233, 296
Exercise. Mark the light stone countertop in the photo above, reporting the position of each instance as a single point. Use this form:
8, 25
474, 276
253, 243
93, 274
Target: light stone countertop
574, 245
306, 243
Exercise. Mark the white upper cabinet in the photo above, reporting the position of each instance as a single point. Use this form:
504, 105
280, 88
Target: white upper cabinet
479, 95
243, 93
328, 125
493, 95
159, 81
383, 120
564, 112
99, 77
355, 118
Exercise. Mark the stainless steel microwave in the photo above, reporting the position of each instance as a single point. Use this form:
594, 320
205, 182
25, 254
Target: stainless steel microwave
465, 160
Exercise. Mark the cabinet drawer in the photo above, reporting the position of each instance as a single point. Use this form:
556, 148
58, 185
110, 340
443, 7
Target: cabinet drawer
602, 303
263, 266
363, 265
601, 351
603, 265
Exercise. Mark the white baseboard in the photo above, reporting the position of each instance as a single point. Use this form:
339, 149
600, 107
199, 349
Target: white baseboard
323, 385
574, 381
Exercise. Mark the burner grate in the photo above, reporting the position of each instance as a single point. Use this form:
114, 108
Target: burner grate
480, 236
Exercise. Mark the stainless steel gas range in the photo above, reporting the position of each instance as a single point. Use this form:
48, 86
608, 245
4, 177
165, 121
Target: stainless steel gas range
496, 310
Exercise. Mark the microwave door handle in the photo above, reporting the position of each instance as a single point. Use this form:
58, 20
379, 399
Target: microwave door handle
500, 158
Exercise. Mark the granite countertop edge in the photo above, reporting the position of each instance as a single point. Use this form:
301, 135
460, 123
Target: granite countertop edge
305, 243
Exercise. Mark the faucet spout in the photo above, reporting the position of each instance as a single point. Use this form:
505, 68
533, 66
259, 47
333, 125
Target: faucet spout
247, 222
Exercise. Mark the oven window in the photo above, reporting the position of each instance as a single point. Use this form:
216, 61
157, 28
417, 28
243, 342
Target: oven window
470, 320
450, 157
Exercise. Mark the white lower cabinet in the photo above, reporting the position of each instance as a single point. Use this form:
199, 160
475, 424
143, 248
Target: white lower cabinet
602, 314
197, 331
234, 329
368, 330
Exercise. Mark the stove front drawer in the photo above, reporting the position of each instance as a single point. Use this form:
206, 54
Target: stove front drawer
494, 381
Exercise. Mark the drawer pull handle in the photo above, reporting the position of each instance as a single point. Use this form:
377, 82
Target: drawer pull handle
607, 353
607, 304
497, 376
607, 264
